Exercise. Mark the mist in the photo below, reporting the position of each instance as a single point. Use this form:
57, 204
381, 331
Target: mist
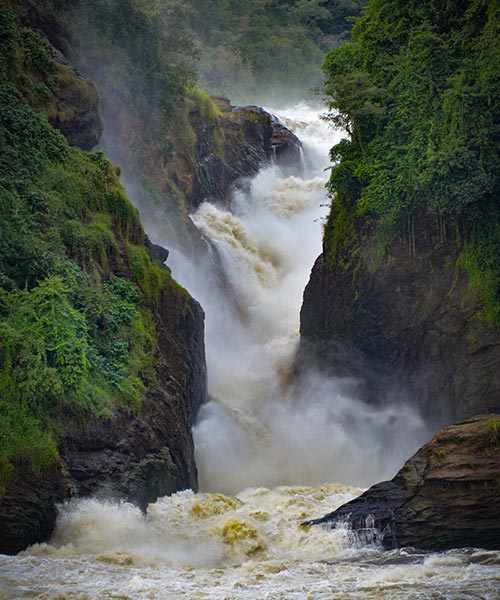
262, 427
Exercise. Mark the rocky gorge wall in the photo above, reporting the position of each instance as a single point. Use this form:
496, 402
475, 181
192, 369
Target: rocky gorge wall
136, 454
407, 322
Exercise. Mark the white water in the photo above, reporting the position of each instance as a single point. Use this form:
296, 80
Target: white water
259, 440
257, 430
208, 546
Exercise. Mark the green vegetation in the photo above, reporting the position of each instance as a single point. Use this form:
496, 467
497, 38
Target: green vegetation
76, 341
141, 56
418, 91
267, 48
493, 429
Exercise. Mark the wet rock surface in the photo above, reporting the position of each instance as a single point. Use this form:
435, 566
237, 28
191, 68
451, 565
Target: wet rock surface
141, 457
446, 496
407, 321
251, 137
28, 506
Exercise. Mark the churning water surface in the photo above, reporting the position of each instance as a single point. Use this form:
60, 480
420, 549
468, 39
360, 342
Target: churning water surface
264, 447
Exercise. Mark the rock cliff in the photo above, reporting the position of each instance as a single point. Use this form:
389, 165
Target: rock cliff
143, 456
249, 137
137, 451
408, 320
445, 496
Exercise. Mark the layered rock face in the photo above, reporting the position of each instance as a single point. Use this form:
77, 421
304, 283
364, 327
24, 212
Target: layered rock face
407, 321
143, 456
445, 496
75, 112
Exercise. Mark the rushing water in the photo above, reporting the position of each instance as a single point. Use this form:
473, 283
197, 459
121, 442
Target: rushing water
195, 546
266, 444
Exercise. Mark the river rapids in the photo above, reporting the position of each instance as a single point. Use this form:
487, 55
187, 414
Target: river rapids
270, 451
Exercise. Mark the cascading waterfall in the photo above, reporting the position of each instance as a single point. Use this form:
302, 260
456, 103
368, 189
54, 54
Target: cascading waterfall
264, 445
259, 430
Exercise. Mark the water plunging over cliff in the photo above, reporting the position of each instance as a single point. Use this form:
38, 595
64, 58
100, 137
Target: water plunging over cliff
260, 428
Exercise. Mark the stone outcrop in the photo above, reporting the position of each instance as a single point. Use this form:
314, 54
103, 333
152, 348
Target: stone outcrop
408, 320
28, 506
73, 109
446, 496
249, 137
141, 457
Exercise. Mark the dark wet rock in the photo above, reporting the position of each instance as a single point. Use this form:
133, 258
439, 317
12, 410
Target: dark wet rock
285, 145
251, 137
157, 253
446, 496
408, 320
28, 506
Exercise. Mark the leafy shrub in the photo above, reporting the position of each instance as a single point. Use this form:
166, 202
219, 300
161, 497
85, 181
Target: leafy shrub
76, 342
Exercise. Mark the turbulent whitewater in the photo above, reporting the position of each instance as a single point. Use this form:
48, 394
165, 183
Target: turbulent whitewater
259, 429
223, 548
269, 450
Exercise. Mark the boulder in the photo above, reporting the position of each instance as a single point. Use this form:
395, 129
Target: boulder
446, 496
251, 137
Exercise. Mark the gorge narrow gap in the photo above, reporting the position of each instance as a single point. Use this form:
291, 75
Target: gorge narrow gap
259, 428
256, 434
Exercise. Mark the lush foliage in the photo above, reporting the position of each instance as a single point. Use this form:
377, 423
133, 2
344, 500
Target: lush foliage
418, 91
141, 56
243, 47
267, 48
76, 341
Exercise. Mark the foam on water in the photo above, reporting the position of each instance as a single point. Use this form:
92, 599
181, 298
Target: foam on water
203, 530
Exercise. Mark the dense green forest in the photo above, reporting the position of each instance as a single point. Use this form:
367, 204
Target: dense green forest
249, 51
268, 49
418, 90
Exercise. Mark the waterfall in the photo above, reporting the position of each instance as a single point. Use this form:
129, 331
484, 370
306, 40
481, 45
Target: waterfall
258, 428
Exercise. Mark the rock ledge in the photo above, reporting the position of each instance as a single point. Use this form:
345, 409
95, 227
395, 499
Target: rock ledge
446, 496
